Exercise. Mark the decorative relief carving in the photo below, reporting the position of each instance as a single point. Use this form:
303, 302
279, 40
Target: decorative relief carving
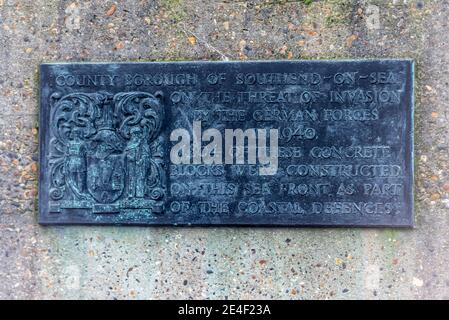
106, 151
274, 143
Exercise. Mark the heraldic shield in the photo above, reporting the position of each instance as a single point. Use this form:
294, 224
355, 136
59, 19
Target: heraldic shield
106, 152
105, 178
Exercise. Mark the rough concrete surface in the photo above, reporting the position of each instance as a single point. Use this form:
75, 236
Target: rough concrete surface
292, 263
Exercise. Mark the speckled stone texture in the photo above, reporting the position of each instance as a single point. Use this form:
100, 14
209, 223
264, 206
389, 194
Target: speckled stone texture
152, 263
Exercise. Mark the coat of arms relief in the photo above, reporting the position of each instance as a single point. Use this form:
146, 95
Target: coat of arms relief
106, 152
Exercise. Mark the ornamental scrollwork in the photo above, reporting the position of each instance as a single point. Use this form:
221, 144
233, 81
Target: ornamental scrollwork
107, 150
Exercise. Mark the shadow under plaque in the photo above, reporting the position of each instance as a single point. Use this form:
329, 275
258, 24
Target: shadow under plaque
262, 143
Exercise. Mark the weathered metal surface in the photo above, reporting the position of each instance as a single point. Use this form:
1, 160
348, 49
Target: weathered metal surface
110, 137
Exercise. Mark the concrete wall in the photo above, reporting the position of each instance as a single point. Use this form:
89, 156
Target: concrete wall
117, 262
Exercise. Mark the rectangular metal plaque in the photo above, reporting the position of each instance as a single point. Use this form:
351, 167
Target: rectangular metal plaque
263, 143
